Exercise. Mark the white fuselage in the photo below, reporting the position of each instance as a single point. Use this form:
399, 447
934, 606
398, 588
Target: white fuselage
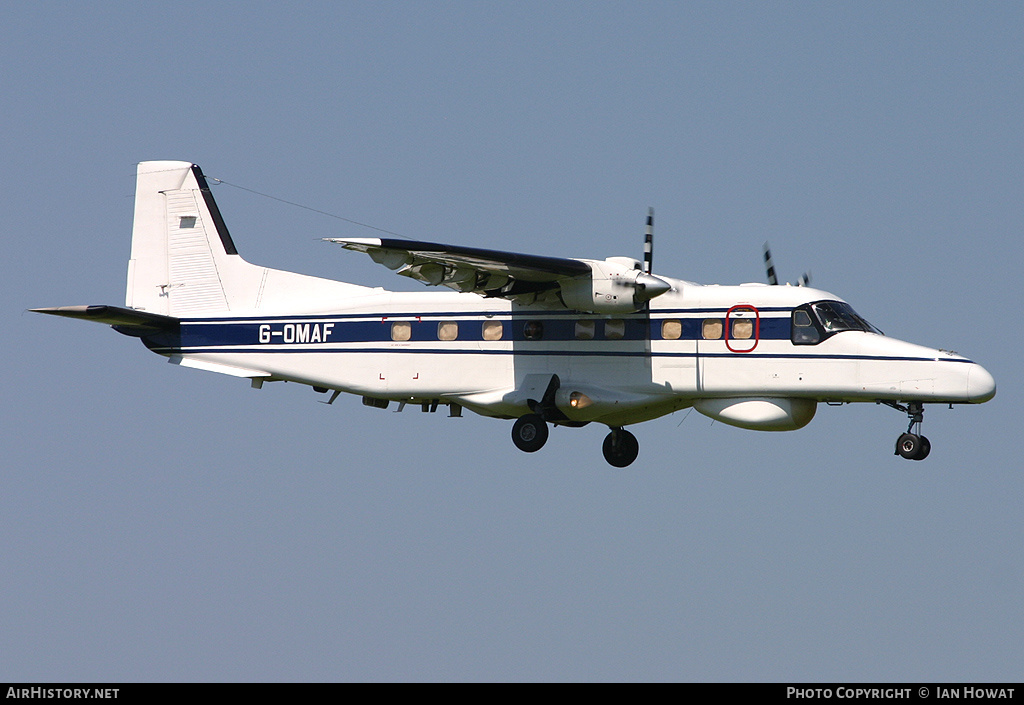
493, 356
543, 340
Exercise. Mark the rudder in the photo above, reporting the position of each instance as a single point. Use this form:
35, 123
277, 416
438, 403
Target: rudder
180, 244
184, 262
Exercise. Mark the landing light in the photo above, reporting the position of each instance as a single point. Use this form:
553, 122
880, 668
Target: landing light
579, 400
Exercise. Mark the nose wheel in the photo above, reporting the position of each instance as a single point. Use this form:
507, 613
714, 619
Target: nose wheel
912, 445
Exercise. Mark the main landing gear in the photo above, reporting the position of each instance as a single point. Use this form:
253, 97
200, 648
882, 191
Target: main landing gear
912, 445
620, 447
530, 431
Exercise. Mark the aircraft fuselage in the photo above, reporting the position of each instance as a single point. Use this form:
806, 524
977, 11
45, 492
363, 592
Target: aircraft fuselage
543, 340
695, 342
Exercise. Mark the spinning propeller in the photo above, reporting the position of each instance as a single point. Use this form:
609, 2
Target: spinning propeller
649, 242
769, 265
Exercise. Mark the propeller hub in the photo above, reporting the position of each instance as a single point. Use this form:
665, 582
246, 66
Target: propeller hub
649, 286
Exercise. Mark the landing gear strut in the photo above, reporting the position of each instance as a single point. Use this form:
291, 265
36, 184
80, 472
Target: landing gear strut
912, 445
530, 433
620, 447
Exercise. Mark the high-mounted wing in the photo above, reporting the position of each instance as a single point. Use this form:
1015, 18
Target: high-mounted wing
485, 272
609, 286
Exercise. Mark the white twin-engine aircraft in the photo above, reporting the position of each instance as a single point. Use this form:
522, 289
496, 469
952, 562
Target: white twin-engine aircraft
541, 340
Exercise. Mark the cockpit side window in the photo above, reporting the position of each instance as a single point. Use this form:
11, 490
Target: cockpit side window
804, 330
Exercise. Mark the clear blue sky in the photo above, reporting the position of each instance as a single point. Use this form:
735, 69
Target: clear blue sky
169, 524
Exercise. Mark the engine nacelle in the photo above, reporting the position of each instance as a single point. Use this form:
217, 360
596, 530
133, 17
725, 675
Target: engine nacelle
586, 403
615, 285
760, 413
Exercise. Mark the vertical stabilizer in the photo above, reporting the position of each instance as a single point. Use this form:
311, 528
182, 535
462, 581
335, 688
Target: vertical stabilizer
184, 263
180, 246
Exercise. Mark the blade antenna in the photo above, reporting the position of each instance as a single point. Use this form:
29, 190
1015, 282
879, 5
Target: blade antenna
770, 266
649, 242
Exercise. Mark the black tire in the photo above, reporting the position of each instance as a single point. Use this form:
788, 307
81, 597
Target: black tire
926, 448
529, 433
620, 448
909, 446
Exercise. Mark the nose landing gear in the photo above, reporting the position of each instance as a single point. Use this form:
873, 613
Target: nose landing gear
912, 445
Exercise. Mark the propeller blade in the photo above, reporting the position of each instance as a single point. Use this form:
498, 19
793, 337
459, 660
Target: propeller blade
649, 243
770, 266
804, 279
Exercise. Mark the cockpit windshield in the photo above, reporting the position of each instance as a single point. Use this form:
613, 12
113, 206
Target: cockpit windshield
813, 323
836, 316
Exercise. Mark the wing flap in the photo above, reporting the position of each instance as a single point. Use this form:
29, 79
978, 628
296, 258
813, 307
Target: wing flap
485, 272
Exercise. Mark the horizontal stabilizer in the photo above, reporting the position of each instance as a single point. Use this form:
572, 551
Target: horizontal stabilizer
126, 320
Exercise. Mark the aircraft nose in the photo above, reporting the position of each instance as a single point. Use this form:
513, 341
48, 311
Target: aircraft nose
981, 386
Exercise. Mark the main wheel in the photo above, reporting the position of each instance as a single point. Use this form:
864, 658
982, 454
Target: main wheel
620, 448
529, 433
910, 446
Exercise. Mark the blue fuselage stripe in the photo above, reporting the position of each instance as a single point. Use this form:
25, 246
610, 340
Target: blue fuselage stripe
362, 333
422, 330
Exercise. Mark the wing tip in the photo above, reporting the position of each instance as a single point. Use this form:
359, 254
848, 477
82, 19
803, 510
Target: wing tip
355, 241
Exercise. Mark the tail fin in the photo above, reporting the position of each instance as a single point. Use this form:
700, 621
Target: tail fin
184, 263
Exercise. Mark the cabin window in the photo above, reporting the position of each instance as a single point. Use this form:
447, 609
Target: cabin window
671, 329
187, 221
401, 330
533, 330
615, 329
712, 329
447, 330
585, 330
492, 330
743, 329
